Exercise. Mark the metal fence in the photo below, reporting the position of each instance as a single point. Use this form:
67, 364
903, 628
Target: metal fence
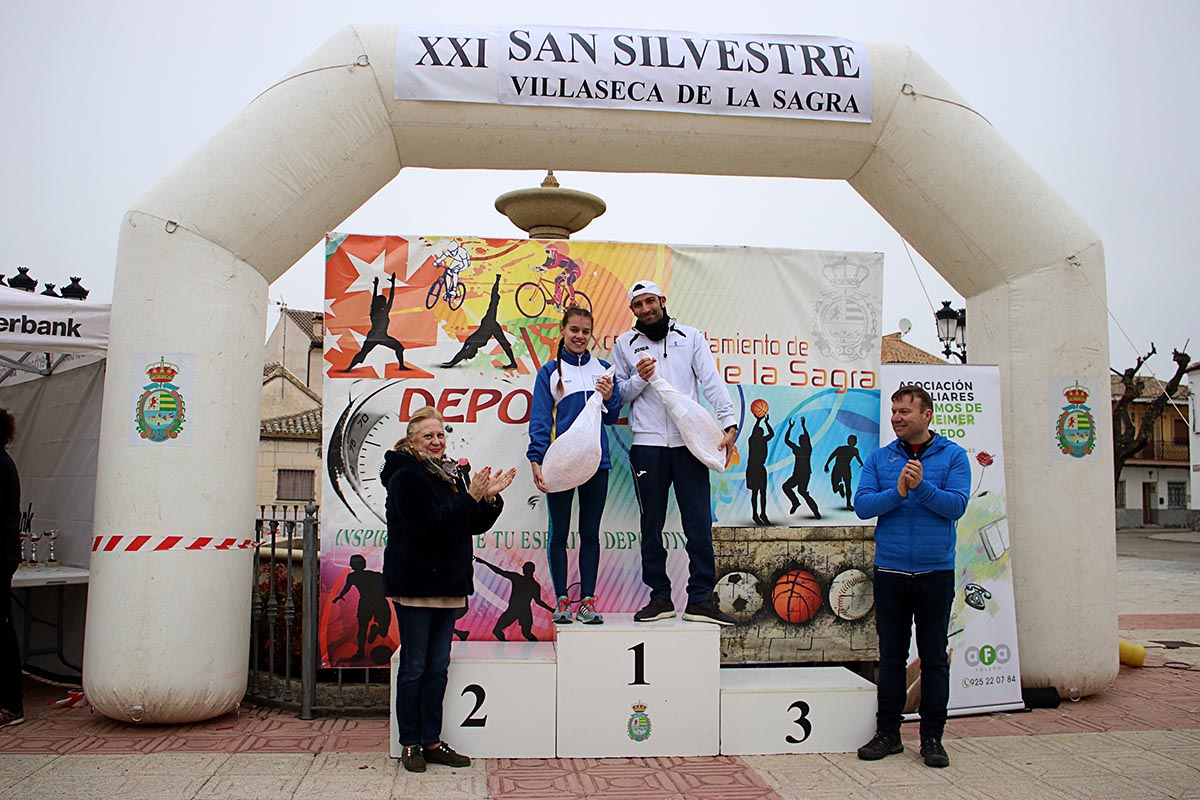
284, 667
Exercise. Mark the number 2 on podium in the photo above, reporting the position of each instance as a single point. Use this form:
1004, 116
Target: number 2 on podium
473, 721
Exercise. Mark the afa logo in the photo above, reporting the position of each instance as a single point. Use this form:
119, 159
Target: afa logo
1076, 428
159, 412
639, 723
988, 655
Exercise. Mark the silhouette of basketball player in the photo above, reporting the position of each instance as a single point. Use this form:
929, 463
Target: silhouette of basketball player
802, 470
488, 328
374, 610
525, 592
756, 468
841, 477
381, 309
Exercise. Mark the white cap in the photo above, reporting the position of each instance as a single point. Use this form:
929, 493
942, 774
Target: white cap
644, 287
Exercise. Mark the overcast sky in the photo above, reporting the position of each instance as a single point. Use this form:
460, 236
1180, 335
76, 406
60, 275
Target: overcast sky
103, 100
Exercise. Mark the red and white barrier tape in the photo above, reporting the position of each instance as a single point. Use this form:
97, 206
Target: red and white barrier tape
128, 544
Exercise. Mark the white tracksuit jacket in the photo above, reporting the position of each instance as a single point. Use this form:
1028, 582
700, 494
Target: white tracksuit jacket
683, 358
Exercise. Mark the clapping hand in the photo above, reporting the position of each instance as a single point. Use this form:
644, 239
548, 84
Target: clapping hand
479, 483
498, 483
910, 477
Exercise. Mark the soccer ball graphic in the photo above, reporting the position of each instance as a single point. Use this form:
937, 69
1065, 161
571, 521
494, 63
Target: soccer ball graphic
738, 595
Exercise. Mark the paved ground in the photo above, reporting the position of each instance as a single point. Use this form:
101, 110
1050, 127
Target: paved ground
1139, 739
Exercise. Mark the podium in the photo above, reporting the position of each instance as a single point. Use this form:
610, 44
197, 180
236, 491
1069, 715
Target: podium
630, 688
500, 700
795, 710
627, 688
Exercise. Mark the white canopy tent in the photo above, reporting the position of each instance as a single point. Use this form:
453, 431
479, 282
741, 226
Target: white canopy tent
34, 323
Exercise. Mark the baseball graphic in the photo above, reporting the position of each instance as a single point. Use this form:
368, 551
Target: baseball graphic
851, 595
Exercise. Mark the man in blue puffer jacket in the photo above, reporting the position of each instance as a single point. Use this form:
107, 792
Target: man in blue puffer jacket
917, 486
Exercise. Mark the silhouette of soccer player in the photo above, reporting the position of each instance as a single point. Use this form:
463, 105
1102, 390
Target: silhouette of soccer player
756, 468
374, 610
525, 592
488, 328
381, 309
801, 470
841, 477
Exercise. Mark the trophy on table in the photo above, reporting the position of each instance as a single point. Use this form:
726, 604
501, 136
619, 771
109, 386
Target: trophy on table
51, 535
34, 538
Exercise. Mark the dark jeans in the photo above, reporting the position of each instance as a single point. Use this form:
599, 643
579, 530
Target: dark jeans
592, 495
425, 635
901, 600
10, 653
655, 469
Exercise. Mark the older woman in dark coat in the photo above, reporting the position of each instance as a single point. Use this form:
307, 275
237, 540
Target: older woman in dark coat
433, 513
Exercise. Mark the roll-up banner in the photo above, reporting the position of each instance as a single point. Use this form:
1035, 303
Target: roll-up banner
465, 323
790, 77
985, 670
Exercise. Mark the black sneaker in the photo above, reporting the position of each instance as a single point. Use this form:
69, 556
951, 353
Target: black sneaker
933, 752
444, 754
412, 758
707, 611
655, 610
882, 745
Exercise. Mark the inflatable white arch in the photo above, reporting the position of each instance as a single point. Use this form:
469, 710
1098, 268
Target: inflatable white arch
167, 631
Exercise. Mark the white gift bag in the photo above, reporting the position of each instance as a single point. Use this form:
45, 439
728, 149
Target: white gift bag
573, 457
701, 433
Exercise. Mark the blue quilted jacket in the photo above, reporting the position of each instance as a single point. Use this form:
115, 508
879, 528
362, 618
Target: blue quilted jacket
915, 533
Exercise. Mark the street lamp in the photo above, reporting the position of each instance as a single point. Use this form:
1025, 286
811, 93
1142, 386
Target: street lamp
952, 330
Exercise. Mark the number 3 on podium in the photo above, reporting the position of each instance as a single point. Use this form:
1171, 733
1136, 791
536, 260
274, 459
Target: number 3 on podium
802, 721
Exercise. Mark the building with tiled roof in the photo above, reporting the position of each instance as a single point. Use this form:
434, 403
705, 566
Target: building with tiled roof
894, 350
297, 342
289, 463
1156, 484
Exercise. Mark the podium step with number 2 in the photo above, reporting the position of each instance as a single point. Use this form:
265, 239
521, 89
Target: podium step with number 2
499, 700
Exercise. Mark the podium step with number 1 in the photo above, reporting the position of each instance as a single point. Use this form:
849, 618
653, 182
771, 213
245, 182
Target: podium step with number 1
630, 688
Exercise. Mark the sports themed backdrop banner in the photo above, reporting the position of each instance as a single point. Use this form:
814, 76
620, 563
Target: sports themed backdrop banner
985, 671
465, 323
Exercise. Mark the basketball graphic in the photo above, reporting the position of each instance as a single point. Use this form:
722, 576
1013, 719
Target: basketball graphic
739, 595
796, 596
851, 595
759, 408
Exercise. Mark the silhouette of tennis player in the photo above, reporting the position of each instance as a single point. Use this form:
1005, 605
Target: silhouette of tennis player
525, 592
756, 468
374, 610
381, 309
802, 470
488, 328
841, 477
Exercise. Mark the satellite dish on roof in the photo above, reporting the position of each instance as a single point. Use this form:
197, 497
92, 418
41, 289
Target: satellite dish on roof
905, 325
